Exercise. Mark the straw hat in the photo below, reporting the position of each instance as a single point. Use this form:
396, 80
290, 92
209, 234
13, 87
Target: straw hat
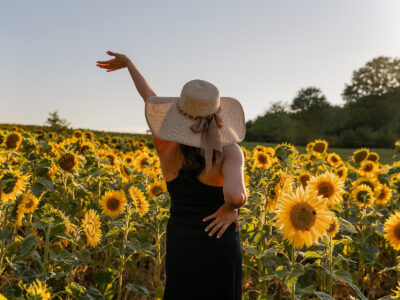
199, 117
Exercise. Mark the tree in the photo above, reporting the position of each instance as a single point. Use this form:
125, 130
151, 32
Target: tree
379, 76
308, 99
56, 122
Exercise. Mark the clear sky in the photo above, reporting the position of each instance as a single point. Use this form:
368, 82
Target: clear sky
256, 51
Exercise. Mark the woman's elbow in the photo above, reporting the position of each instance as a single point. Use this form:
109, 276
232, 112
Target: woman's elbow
236, 199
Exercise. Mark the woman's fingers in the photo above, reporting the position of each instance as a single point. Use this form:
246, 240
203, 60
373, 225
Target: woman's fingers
221, 232
211, 225
209, 217
216, 227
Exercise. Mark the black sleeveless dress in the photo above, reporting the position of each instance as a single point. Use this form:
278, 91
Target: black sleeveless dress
199, 266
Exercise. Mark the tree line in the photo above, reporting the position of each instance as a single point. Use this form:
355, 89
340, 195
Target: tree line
369, 117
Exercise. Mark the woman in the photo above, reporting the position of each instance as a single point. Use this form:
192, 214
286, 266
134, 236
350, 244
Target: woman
203, 255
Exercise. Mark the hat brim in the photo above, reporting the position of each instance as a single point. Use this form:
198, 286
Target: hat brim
166, 123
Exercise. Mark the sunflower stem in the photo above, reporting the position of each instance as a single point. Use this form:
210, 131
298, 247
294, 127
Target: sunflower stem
293, 287
330, 266
122, 261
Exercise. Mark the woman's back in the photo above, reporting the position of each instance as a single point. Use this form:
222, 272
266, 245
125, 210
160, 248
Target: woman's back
199, 266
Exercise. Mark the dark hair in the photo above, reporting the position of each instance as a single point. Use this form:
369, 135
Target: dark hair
193, 162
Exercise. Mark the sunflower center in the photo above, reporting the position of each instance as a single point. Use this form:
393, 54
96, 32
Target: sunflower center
303, 179
303, 216
340, 173
332, 227
360, 156
13, 140
334, 159
325, 189
396, 231
144, 163
113, 203
156, 190
67, 162
319, 147
29, 204
262, 158
382, 194
362, 196
368, 168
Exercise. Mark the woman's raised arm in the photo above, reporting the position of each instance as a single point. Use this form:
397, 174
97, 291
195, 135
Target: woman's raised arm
122, 61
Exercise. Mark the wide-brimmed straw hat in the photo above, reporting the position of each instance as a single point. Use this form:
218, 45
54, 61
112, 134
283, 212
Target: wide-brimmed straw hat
199, 117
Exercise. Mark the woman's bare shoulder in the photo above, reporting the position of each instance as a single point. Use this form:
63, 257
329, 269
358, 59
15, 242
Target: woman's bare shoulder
233, 152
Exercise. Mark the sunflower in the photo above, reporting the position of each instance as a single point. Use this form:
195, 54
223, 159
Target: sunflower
259, 148
129, 160
370, 181
373, 156
38, 290
270, 151
320, 146
283, 185
360, 154
77, 134
334, 159
91, 226
392, 230
362, 194
138, 200
303, 178
28, 204
89, 135
302, 216
13, 140
143, 162
328, 185
397, 146
113, 203
333, 227
85, 146
261, 160
382, 194
368, 168
68, 161
341, 173
310, 146
156, 188
14, 184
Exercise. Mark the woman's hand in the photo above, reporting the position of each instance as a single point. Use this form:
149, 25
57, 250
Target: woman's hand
224, 217
119, 62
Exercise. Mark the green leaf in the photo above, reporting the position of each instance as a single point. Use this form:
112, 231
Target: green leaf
48, 184
138, 287
347, 225
83, 256
27, 244
345, 276
294, 274
6, 234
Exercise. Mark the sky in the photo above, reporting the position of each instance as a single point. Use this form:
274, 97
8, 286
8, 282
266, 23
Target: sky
258, 52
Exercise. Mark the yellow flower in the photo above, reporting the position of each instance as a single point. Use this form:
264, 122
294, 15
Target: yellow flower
371, 181
320, 146
138, 200
38, 290
302, 216
261, 160
310, 147
368, 168
304, 178
362, 194
14, 184
68, 161
284, 185
157, 188
373, 156
392, 230
28, 204
334, 159
382, 194
91, 226
342, 173
333, 227
143, 162
113, 203
77, 134
360, 155
13, 140
328, 185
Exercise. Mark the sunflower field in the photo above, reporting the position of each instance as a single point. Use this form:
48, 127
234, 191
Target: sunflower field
83, 216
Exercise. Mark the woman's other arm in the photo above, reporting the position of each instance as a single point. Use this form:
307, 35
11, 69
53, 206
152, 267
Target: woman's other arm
233, 172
